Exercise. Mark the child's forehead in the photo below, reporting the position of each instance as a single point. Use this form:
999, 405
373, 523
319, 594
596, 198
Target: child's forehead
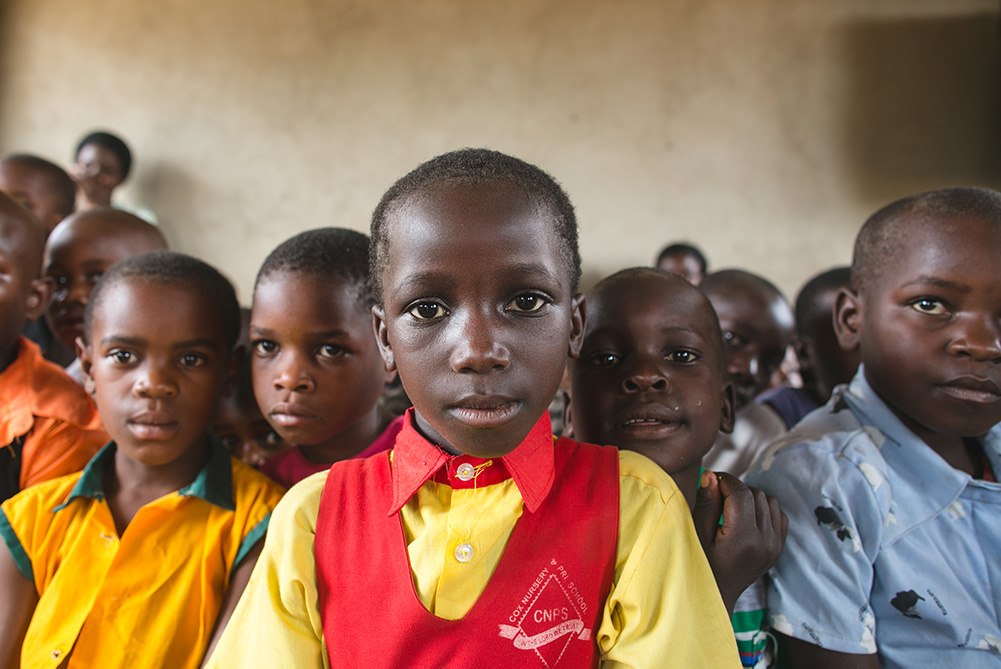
674, 302
311, 288
931, 247
19, 237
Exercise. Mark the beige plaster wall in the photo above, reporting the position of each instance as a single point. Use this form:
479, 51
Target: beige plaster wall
763, 130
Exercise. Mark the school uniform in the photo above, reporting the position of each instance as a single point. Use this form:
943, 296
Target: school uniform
890, 549
456, 519
291, 466
49, 426
148, 598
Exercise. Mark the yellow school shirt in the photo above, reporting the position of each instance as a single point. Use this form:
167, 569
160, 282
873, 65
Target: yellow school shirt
664, 609
149, 598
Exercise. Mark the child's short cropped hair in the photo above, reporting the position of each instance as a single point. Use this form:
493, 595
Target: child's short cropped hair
112, 143
171, 268
877, 240
476, 166
328, 254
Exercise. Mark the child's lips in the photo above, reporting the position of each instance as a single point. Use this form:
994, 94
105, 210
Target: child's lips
153, 425
650, 422
291, 415
484, 410
973, 389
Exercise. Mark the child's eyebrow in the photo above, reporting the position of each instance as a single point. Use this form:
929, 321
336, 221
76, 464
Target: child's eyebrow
118, 340
926, 280
518, 271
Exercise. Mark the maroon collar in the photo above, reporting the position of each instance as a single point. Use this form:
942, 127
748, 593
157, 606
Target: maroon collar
415, 460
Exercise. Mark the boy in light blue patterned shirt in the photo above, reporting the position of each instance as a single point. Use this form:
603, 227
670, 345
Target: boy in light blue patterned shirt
892, 553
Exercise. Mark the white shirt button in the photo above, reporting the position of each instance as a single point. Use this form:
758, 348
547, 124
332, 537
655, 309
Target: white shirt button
464, 552
465, 472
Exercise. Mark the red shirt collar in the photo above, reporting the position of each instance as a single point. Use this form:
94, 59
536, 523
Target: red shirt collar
416, 460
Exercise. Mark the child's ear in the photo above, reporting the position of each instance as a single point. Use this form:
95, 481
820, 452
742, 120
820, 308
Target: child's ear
848, 312
578, 318
382, 337
86, 363
39, 297
727, 413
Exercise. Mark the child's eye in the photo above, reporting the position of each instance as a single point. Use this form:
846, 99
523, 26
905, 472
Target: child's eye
425, 311
273, 439
192, 360
121, 357
265, 347
682, 356
229, 442
929, 306
526, 303
603, 359
734, 340
331, 351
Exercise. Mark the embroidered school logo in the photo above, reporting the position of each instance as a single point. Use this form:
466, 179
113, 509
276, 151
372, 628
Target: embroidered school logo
548, 617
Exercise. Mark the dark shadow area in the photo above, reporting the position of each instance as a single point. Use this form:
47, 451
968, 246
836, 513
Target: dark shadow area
923, 102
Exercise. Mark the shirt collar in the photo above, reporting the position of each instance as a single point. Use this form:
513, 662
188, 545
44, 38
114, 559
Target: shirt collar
213, 483
922, 483
416, 460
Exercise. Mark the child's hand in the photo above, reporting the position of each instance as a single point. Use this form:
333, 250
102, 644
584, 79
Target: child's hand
750, 537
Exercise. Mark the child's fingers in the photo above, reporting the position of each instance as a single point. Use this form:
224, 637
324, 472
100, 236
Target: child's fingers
738, 503
708, 507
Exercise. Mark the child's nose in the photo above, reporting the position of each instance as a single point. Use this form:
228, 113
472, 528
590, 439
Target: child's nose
155, 383
293, 375
980, 339
644, 376
477, 348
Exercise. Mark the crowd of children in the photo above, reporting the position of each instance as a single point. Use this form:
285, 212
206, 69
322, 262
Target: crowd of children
700, 504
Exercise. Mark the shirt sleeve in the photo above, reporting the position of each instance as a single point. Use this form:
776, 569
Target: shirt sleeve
62, 448
835, 498
664, 609
748, 623
277, 621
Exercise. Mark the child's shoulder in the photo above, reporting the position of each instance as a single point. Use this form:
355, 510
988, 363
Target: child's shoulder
250, 484
301, 504
52, 393
44, 496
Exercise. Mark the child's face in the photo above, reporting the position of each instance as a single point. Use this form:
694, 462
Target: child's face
75, 258
649, 377
929, 328
755, 341
684, 265
478, 316
244, 432
315, 364
22, 295
98, 162
156, 373
31, 189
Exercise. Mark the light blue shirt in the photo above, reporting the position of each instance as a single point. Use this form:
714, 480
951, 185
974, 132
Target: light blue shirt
890, 549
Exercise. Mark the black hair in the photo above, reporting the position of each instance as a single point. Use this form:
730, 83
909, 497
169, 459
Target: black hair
881, 234
682, 284
172, 269
684, 249
807, 309
60, 182
112, 143
327, 254
478, 166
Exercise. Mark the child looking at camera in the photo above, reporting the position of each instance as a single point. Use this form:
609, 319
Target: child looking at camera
138, 559
477, 537
651, 379
314, 360
891, 487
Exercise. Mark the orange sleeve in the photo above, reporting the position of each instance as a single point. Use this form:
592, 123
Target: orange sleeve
55, 448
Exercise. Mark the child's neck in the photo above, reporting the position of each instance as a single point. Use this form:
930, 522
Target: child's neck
964, 454
130, 485
351, 441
